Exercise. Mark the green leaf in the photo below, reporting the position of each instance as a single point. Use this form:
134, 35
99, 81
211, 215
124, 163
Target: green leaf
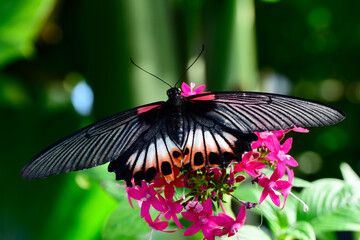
79, 213
107, 181
20, 23
327, 236
158, 235
333, 206
300, 230
125, 222
248, 232
349, 175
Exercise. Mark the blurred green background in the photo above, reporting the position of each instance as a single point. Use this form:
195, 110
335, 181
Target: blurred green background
55, 54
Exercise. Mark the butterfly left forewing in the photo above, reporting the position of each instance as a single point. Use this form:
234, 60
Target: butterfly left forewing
91, 146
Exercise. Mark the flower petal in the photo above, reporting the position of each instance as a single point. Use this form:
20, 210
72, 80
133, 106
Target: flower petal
208, 209
272, 156
251, 172
272, 143
275, 198
145, 206
176, 221
242, 215
282, 185
291, 162
190, 216
199, 89
280, 168
300, 129
287, 145
256, 165
192, 229
185, 88
263, 196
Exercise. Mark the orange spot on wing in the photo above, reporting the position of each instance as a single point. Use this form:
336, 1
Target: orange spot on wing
177, 157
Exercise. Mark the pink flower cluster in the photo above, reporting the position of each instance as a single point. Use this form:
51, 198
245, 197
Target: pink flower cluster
197, 193
204, 187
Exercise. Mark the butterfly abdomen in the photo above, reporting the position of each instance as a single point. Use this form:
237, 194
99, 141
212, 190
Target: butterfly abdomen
176, 128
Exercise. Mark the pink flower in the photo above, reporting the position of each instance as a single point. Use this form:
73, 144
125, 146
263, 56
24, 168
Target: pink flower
194, 206
279, 153
188, 90
298, 129
271, 187
232, 226
204, 220
127, 191
248, 165
147, 195
171, 209
287, 191
264, 138
231, 181
217, 173
157, 224
170, 187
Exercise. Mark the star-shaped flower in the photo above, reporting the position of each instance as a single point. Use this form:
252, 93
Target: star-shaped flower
248, 165
147, 195
271, 187
189, 90
231, 226
279, 154
204, 220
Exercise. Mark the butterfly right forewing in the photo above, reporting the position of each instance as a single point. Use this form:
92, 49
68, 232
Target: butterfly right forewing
249, 112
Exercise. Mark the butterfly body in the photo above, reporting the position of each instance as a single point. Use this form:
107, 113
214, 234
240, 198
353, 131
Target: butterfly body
175, 109
210, 129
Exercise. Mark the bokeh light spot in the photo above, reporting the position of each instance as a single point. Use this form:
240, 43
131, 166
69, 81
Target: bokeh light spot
331, 90
309, 162
82, 181
82, 98
319, 18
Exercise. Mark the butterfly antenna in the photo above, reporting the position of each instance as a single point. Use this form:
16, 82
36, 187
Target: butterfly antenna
202, 50
132, 61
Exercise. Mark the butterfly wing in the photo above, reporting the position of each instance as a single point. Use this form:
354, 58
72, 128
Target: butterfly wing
153, 152
248, 112
219, 129
206, 143
210, 143
222, 125
94, 145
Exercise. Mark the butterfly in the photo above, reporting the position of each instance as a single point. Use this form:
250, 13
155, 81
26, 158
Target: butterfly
210, 129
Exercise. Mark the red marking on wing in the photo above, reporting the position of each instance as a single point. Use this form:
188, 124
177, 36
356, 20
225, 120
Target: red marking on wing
147, 108
204, 98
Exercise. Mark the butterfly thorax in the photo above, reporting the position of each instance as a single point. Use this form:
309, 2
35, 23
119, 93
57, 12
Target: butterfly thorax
176, 125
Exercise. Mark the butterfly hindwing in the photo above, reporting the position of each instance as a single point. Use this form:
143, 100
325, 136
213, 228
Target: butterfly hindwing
210, 143
149, 155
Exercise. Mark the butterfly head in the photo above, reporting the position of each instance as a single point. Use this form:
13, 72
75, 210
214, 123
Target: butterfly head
172, 92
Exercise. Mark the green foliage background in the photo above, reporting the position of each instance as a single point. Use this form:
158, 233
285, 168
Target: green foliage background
47, 46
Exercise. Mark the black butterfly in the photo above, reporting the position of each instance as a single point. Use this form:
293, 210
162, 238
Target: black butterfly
211, 129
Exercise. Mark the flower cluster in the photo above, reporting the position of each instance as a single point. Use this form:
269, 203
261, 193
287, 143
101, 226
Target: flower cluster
195, 194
